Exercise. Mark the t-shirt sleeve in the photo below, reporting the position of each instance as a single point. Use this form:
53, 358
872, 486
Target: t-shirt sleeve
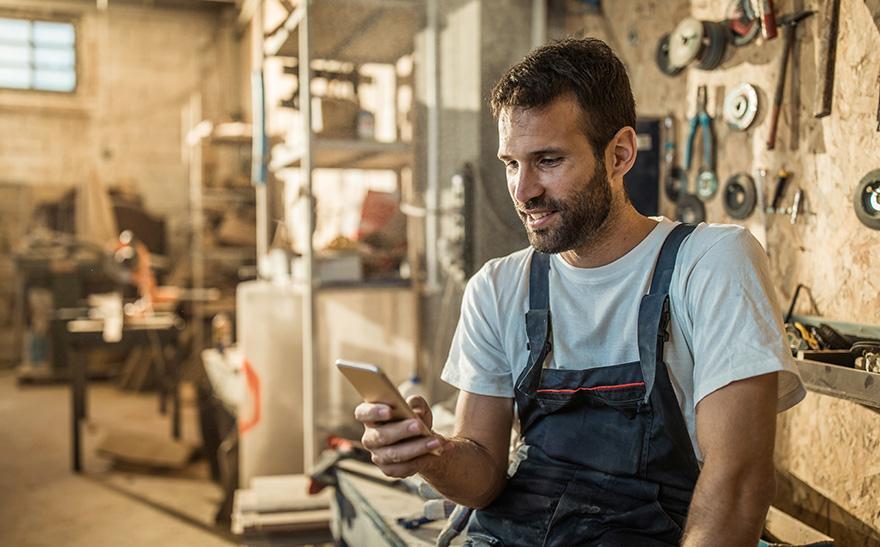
477, 362
737, 325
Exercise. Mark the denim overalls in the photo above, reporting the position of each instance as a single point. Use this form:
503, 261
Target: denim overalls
607, 458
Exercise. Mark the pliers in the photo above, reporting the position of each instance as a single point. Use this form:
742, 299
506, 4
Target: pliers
702, 119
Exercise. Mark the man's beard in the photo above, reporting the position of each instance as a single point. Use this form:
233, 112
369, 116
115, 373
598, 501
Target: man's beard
581, 215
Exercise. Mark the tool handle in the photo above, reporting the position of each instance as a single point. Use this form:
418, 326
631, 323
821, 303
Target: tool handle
780, 86
768, 19
779, 191
689, 148
708, 142
827, 53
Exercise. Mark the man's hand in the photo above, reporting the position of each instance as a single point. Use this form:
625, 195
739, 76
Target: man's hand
399, 448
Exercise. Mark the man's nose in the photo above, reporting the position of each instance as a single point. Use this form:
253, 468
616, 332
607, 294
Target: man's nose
524, 185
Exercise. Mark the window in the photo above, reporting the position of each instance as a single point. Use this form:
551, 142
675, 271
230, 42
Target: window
38, 55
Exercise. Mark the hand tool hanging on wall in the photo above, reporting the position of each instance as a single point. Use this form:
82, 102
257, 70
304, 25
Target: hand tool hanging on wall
767, 15
789, 22
828, 29
878, 102
741, 106
866, 200
707, 181
740, 196
675, 179
781, 184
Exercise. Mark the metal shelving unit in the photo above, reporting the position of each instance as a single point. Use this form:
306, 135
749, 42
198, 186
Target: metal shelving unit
351, 31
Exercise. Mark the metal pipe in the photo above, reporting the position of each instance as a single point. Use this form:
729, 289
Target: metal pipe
310, 357
432, 191
539, 23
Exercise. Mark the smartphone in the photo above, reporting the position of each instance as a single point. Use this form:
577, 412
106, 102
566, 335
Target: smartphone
375, 387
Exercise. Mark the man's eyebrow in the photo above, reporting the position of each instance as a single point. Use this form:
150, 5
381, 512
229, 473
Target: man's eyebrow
534, 153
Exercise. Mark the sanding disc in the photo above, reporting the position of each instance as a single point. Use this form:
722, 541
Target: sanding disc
690, 209
741, 106
707, 184
686, 42
661, 57
740, 196
866, 200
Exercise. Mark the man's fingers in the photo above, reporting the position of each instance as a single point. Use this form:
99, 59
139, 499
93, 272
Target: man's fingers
404, 452
422, 409
370, 413
390, 433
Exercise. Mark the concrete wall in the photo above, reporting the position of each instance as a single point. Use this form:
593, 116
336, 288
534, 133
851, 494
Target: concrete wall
827, 448
137, 66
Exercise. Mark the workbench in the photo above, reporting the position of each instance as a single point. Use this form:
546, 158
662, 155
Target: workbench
365, 510
84, 334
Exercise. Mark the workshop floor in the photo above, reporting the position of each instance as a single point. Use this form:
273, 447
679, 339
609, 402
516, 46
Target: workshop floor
43, 503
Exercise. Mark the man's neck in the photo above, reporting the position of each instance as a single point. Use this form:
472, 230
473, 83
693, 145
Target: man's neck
619, 235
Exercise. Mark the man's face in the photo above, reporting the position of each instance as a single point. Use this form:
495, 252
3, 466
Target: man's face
561, 192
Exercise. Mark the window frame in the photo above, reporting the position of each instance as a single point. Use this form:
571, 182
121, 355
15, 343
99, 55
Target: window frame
77, 57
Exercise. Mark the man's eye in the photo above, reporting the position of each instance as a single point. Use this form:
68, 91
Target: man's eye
511, 165
550, 162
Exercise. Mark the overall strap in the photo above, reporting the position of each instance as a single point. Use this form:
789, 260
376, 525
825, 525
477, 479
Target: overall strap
654, 308
538, 326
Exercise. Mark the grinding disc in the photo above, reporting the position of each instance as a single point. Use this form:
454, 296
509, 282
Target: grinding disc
866, 200
741, 106
742, 22
716, 45
686, 42
662, 57
740, 196
707, 184
675, 183
690, 209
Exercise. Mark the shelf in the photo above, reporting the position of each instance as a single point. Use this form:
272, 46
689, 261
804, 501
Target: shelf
223, 197
229, 254
345, 154
364, 31
841, 382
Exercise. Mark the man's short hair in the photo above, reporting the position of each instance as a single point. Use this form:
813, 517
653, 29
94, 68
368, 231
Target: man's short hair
586, 68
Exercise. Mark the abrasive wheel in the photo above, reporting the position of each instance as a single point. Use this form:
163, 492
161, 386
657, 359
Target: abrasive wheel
713, 53
866, 200
740, 196
690, 209
661, 57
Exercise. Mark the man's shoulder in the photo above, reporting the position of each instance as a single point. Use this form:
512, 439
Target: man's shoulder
723, 242
505, 269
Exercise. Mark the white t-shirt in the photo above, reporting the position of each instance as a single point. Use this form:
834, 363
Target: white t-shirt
725, 321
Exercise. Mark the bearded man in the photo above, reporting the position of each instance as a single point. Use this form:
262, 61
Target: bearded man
643, 359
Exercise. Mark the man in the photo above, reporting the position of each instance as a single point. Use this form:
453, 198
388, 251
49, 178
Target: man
651, 362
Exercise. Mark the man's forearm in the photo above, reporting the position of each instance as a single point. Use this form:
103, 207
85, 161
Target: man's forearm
728, 509
465, 473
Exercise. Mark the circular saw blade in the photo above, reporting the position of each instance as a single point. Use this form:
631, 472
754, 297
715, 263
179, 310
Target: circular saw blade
741, 106
686, 42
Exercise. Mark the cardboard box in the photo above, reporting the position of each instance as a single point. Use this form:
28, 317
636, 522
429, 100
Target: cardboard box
790, 532
337, 117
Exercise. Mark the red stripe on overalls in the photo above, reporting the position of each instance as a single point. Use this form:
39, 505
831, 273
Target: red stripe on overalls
594, 388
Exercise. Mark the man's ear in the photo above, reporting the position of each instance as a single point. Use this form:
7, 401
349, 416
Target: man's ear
621, 153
